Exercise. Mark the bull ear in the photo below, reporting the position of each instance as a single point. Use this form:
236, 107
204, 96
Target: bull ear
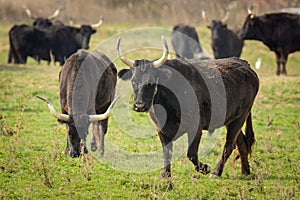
208, 26
125, 74
164, 74
94, 31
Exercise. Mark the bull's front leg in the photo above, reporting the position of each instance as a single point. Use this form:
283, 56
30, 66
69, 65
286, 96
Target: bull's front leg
194, 141
83, 149
167, 145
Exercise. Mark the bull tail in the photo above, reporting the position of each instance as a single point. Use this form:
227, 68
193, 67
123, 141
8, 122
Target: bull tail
249, 133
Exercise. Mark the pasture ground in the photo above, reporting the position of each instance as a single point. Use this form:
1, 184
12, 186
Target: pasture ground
33, 164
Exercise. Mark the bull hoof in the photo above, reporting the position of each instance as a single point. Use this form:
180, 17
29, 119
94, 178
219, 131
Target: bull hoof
213, 176
93, 147
165, 174
204, 168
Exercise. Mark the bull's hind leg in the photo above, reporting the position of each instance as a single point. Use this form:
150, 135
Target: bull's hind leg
243, 150
102, 132
284, 58
167, 145
194, 140
278, 63
96, 136
233, 131
99, 131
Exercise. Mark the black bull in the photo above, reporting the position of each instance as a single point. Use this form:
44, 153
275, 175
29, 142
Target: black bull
186, 43
278, 31
225, 42
62, 41
195, 96
87, 87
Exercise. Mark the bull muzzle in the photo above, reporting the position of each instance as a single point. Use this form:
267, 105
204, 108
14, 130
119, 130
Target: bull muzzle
139, 107
92, 118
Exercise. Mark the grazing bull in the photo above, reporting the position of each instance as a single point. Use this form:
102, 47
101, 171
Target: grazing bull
278, 31
87, 87
225, 42
186, 43
188, 97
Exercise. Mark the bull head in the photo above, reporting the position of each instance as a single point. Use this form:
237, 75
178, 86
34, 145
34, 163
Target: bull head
156, 63
145, 76
66, 118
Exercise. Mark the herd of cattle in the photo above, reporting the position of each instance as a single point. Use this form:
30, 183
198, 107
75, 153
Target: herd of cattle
46, 38
50, 39
214, 92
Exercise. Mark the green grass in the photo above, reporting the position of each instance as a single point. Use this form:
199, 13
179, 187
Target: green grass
33, 164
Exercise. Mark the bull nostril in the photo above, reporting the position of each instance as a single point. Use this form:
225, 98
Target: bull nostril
138, 106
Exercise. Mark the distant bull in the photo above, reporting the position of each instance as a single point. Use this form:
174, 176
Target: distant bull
71, 38
186, 43
225, 42
278, 31
87, 88
184, 96
37, 42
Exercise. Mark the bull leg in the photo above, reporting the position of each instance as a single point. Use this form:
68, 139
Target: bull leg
192, 154
283, 62
233, 131
103, 130
96, 136
278, 63
167, 145
99, 131
9, 56
83, 149
243, 153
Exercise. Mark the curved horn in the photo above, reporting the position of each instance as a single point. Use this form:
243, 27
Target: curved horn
164, 57
71, 23
54, 15
94, 118
225, 17
250, 9
28, 12
123, 58
97, 25
62, 117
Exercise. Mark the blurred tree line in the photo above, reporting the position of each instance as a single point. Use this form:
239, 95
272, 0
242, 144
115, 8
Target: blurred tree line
193, 12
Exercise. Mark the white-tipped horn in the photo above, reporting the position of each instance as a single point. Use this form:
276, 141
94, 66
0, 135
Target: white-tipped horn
54, 15
99, 117
71, 23
164, 57
123, 58
62, 117
225, 18
250, 9
28, 12
97, 24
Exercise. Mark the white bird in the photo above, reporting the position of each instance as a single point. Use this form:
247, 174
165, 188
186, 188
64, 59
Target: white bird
258, 63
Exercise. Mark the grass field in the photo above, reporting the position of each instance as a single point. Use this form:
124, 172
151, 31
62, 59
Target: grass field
33, 164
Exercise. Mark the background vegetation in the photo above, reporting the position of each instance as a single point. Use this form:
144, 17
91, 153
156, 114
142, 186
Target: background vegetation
32, 160
140, 11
